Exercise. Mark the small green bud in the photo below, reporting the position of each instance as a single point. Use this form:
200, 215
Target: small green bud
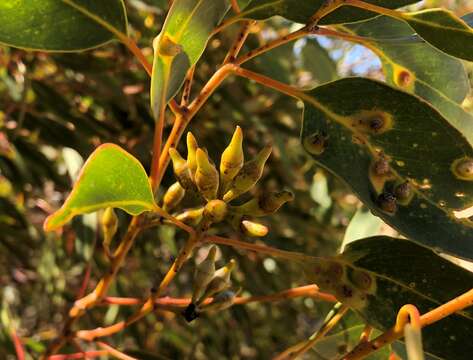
109, 222
191, 217
216, 210
225, 271
181, 170
253, 229
265, 204
271, 202
206, 176
220, 282
232, 158
221, 301
204, 274
192, 147
248, 176
173, 196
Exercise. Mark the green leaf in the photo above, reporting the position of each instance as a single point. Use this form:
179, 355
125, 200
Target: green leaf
318, 62
110, 177
187, 28
335, 132
417, 67
344, 338
410, 65
377, 276
301, 11
444, 30
61, 25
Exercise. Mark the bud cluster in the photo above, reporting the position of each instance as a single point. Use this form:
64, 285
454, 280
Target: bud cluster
218, 187
209, 282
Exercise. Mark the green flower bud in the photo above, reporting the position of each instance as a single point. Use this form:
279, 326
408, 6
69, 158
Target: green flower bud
270, 203
173, 196
248, 176
220, 282
191, 217
181, 170
221, 301
204, 274
253, 229
216, 210
109, 222
232, 158
265, 204
206, 176
192, 147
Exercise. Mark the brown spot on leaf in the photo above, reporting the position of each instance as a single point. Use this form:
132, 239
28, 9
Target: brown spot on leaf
463, 168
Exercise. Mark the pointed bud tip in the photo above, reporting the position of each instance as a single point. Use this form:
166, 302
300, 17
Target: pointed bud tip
174, 154
231, 264
238, 134
202, 158
191, 140
212, 253
265, 152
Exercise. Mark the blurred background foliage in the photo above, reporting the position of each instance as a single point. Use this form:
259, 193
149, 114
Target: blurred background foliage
56, 108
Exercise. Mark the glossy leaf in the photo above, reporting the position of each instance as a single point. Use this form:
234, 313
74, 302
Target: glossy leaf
413, 132
377, 276
417, 67
413, 66
110, 177
301, 11
444, 30
188, 26
67, 25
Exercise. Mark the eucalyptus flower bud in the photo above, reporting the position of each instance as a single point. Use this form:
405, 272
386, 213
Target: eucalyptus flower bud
181, 170
204, 274
173, 196
191, 217
253, 229
248, 176
109, 222
221, 301
192, 147
216, 210
206, 176
220, 282
232, 159
264, 204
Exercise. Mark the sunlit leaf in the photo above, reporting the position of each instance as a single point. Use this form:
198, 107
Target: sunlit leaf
413, 65
377, 276
66, 25
301, 11
444, 30
111, 177
351, 125
417, 67
186, 31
